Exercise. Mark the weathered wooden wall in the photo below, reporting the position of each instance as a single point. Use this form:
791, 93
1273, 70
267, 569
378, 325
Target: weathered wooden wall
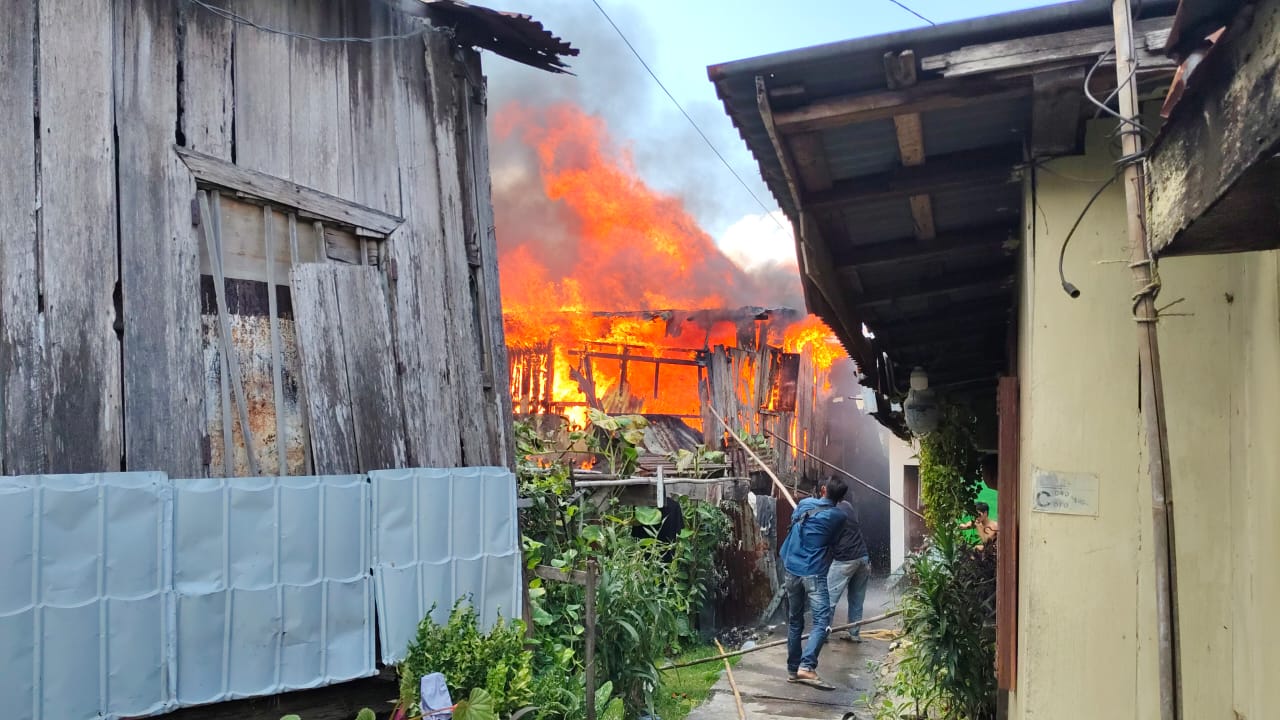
100, 324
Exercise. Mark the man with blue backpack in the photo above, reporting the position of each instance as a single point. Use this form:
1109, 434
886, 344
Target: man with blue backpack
806, 554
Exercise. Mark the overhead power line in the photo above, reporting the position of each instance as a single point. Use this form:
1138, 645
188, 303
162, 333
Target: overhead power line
686, 115
913, 12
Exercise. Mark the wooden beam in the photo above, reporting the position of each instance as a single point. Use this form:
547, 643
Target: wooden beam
995, 240
993, 278
922, 217
775, 139
883, 104
945, 326
986, 166
810, 156
1008, 485
910, 134
1056, 101
1215, 156
1027, 55
209, 170
900, 69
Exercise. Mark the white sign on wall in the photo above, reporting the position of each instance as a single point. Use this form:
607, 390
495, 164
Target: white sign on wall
1064, 493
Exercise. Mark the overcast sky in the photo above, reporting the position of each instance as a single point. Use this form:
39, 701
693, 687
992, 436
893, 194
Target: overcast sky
679, 39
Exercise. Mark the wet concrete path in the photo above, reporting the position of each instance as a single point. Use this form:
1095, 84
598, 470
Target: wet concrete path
762, 676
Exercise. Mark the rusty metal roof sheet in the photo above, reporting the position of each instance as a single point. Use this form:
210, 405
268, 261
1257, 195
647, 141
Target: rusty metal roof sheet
512, 35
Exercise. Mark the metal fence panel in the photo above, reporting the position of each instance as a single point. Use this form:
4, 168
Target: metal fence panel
272, 582
84, 603
440, 535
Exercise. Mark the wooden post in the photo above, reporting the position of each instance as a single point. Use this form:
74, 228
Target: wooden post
1146, 285
592, 571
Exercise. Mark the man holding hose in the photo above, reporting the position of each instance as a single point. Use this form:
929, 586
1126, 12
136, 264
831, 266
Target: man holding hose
816, 524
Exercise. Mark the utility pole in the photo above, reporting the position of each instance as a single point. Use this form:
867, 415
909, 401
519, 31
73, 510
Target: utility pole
1146, 285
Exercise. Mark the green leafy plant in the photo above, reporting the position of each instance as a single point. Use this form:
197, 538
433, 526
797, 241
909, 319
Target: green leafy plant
617, 438
496, 662
694, 462
947, 668
950, 468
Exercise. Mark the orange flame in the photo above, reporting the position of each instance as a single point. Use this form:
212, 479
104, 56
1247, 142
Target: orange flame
598, 238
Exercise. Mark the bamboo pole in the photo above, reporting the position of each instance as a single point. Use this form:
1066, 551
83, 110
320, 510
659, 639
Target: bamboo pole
590, 660
786, 494
1147, 285
733, 685
847, 474
776, 643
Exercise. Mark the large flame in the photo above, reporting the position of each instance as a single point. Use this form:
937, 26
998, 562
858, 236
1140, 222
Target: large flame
586, 236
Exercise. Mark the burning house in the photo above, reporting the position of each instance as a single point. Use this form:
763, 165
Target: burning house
615, 298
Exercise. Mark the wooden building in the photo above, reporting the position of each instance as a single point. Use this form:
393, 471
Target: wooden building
250, 237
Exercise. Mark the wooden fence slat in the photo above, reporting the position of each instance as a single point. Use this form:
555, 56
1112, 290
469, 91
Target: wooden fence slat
159, 256
277, 357
317, 318
370, 362
78, 236
234, 377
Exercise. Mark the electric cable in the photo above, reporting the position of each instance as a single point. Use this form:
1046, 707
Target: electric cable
686, 115
913, 12
242, 20
1067, 287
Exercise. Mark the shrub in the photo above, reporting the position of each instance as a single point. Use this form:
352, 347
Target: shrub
496, 662
948, 667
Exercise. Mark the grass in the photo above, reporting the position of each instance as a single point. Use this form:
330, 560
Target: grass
682, 689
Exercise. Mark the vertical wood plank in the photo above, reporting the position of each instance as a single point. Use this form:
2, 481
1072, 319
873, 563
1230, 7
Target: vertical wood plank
446, 77
371, 78
78, 237
233, 378
313, 94
324, 370
1008, 485
208, 97
263, 127
430, 407
371, 373
159, 257
498, 395
22, 421
277, 357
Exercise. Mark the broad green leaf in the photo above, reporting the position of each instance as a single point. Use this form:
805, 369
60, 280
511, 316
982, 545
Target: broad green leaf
591, 533
648, 515
290, 717
366, 714
477, 707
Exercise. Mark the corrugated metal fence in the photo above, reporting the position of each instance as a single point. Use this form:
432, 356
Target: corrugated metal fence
131, 594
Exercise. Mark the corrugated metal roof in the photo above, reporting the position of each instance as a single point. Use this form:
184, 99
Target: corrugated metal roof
972, 146
512, 35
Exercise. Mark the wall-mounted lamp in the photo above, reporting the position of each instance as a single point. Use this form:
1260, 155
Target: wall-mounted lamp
921, 408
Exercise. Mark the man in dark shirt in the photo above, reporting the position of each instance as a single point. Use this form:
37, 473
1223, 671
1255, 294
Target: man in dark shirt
850, 568
806, 555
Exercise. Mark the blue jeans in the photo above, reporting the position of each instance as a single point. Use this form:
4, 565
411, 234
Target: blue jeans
854, 575
812, 591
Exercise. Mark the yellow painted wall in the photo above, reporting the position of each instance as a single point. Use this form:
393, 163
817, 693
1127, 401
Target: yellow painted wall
1086, 607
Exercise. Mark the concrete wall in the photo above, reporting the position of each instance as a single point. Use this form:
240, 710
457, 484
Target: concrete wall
1086, 638
901, 454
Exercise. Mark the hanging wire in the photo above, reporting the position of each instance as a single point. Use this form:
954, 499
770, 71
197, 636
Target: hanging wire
1067, 287
686, 115
913, 12
242, 20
